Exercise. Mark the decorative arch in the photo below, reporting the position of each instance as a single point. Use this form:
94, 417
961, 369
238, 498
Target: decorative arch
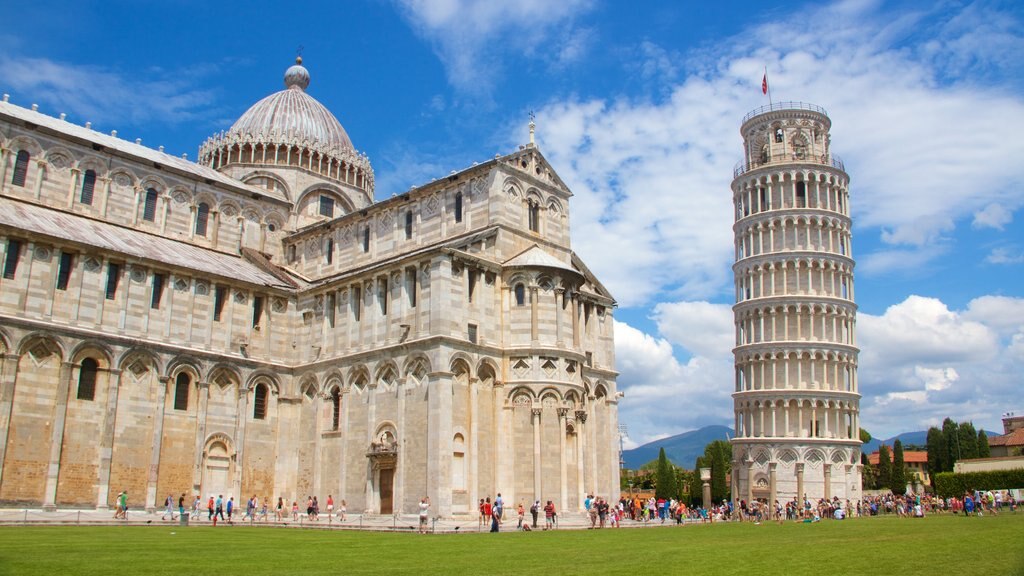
30, 145
92, 349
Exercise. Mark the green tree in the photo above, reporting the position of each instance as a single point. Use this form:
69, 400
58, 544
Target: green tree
865, 436
665, 477
884, 467
952, 440
968, 438
937, 453
718, 455
984, 451
898, 474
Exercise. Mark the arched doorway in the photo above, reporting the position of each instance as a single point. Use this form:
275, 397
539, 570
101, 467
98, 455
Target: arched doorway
218, 461
383, 455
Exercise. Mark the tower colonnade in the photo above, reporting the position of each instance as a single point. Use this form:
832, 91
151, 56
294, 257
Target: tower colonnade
796, 399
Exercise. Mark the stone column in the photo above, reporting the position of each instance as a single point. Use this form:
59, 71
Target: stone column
40, 173
57, 437
8, 372
536, 452
534, 296
154, 458
343, 459
107, 440
583, 446
473, 482
439, 443
242, 412
827, 468
559, 300
203, 389
800, 483
71, 187
772, 486
105, 194
562, 471
750, 481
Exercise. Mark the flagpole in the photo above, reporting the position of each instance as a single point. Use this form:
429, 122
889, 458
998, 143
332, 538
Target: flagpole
769, 87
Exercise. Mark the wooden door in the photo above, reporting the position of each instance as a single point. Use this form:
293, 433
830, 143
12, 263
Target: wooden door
387, 485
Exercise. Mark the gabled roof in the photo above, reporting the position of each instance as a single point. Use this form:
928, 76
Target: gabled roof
22, 216
535, 257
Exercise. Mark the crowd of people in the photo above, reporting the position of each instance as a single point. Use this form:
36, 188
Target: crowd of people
601, 513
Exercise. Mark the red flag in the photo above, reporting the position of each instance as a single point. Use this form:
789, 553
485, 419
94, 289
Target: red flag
764, 84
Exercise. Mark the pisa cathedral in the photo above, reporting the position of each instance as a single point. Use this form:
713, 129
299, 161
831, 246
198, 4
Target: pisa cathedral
796, 402
255, 322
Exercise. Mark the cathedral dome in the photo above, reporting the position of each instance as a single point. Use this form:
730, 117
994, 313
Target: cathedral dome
293, 114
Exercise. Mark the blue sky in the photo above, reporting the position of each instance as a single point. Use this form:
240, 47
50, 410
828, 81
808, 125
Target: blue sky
638, 108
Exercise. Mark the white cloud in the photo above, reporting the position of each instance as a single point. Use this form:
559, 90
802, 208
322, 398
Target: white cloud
662, 395
652, 177
1005, 255
992, 216
921, 361
102, 95
470, 36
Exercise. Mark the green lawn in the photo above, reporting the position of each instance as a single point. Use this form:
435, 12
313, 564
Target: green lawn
990, 546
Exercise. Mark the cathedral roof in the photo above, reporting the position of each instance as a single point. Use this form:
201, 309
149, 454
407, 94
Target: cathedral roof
292, 114
133, 243
534, 257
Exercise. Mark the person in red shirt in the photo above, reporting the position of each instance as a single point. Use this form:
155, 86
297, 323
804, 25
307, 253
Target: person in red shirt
549, 515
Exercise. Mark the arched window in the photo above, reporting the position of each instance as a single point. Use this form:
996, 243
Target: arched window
87, 379
533, 216
778, 134
801, 194
20, 168
458, 207
259, 402
88, 185
149, 210
335, 409
181, 385
458, 462
520, 294
202, 218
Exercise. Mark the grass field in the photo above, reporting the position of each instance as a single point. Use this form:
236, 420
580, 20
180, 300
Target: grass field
990, 546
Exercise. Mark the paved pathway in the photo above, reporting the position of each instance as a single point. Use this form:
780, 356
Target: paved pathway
397, 523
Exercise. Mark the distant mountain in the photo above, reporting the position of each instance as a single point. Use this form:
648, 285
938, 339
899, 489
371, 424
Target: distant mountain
681, 449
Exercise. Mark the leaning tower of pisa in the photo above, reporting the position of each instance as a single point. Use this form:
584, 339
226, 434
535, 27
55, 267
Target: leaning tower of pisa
795, 399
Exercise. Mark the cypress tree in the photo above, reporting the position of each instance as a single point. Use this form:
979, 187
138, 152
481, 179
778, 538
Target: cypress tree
898, 476
718, 455
664, 478
936, 453
884, 467
968, 440
983, 448
951, 437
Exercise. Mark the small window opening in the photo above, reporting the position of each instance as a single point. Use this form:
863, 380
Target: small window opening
64, 270
257, 311
181, 385
149, 209
408, 225
329, 251
202, 218
410, 283
366, 239
88, 185
327, 206
219, 296
20, 168
259, 402
335, 409
11, 258
158, 291
458, 207
113, 276
87, 379
520, 291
